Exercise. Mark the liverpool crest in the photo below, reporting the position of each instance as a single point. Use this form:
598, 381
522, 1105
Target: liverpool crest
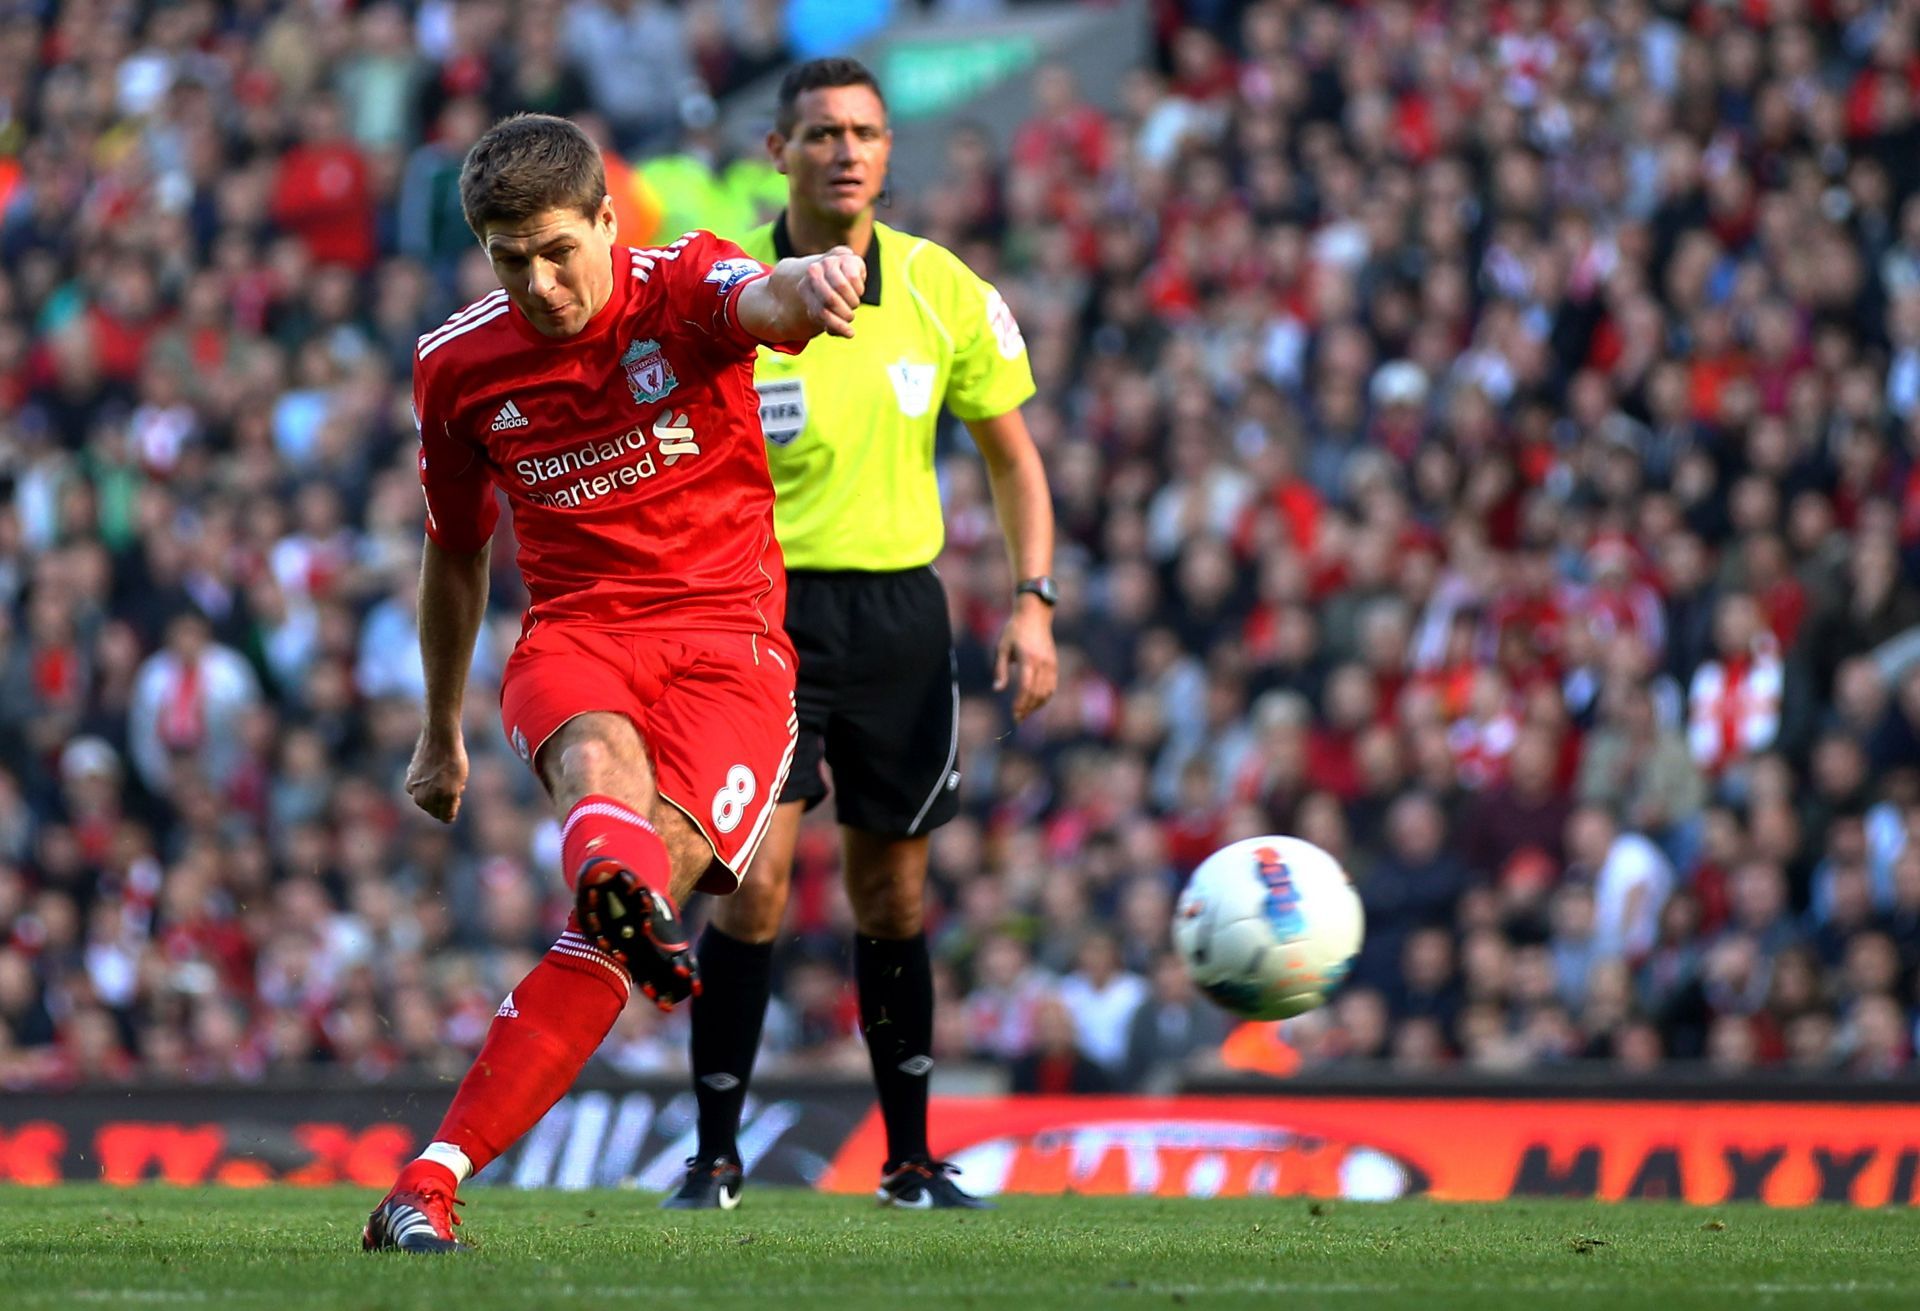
649, 376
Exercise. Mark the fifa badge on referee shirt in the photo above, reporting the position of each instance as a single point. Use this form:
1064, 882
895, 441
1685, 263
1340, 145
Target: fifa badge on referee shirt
649, 376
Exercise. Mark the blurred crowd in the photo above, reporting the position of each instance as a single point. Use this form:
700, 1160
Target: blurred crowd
1486, 442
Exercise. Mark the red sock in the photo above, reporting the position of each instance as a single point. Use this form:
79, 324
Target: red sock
601, 826
545, 1030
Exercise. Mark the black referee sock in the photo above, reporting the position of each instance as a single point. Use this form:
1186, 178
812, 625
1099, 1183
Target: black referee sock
895, 979
727, 1016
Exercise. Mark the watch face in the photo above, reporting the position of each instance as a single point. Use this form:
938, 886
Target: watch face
1042, 588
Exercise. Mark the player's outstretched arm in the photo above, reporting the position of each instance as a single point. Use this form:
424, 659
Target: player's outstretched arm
1018, 481
805, 296
453, 599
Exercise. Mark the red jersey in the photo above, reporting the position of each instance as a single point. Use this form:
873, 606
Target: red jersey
324, 196
631, 452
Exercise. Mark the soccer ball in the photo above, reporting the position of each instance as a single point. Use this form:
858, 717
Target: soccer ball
1268, 927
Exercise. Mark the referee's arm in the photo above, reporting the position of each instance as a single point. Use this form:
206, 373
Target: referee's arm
1025, 508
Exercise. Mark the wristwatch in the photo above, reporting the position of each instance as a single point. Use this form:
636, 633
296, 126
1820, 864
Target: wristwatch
1041, 587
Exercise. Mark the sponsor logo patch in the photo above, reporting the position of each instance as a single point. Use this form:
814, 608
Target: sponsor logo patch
675, 437
509, 417
727, 274
1005, 328
912, 386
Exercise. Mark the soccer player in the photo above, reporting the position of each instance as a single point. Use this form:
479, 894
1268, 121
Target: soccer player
850, 431
608, 391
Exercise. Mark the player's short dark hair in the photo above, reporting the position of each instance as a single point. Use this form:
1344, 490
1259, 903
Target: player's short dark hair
526, 165
817, 75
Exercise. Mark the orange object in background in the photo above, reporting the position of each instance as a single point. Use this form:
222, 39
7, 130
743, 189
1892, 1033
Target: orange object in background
1256, 1047
636, 210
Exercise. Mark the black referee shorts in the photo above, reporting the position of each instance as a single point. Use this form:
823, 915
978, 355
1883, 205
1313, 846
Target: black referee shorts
878, 701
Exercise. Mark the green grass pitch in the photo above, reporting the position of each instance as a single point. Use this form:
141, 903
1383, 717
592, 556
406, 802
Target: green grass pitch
287, 1249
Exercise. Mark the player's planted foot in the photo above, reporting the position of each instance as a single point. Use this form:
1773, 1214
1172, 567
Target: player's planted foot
711, 1184
641, 926
924, 1185
417, 1216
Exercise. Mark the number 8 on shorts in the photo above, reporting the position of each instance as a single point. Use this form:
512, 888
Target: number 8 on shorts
731, 801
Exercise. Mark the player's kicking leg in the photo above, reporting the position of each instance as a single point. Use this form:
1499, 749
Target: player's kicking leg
645, 825
554, 1019
629, 873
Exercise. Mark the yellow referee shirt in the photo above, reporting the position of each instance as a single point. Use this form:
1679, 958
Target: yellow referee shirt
850, 423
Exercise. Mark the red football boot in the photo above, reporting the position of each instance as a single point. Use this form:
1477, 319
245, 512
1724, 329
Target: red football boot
640, 926
417, 1216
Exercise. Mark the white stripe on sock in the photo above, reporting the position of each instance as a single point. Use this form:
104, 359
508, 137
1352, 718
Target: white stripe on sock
450, 1156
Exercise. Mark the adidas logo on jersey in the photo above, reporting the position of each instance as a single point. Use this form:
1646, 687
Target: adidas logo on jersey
509, 417
507, 1009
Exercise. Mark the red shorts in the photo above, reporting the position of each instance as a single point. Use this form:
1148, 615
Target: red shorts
715, 710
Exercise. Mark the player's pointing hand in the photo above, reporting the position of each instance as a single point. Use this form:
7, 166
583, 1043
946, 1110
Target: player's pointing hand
805, 296
834, 285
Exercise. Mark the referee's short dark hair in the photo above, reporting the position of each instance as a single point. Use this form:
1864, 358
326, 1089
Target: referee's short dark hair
816, 75
526, 165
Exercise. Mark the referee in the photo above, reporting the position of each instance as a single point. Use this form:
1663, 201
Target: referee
850, 429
